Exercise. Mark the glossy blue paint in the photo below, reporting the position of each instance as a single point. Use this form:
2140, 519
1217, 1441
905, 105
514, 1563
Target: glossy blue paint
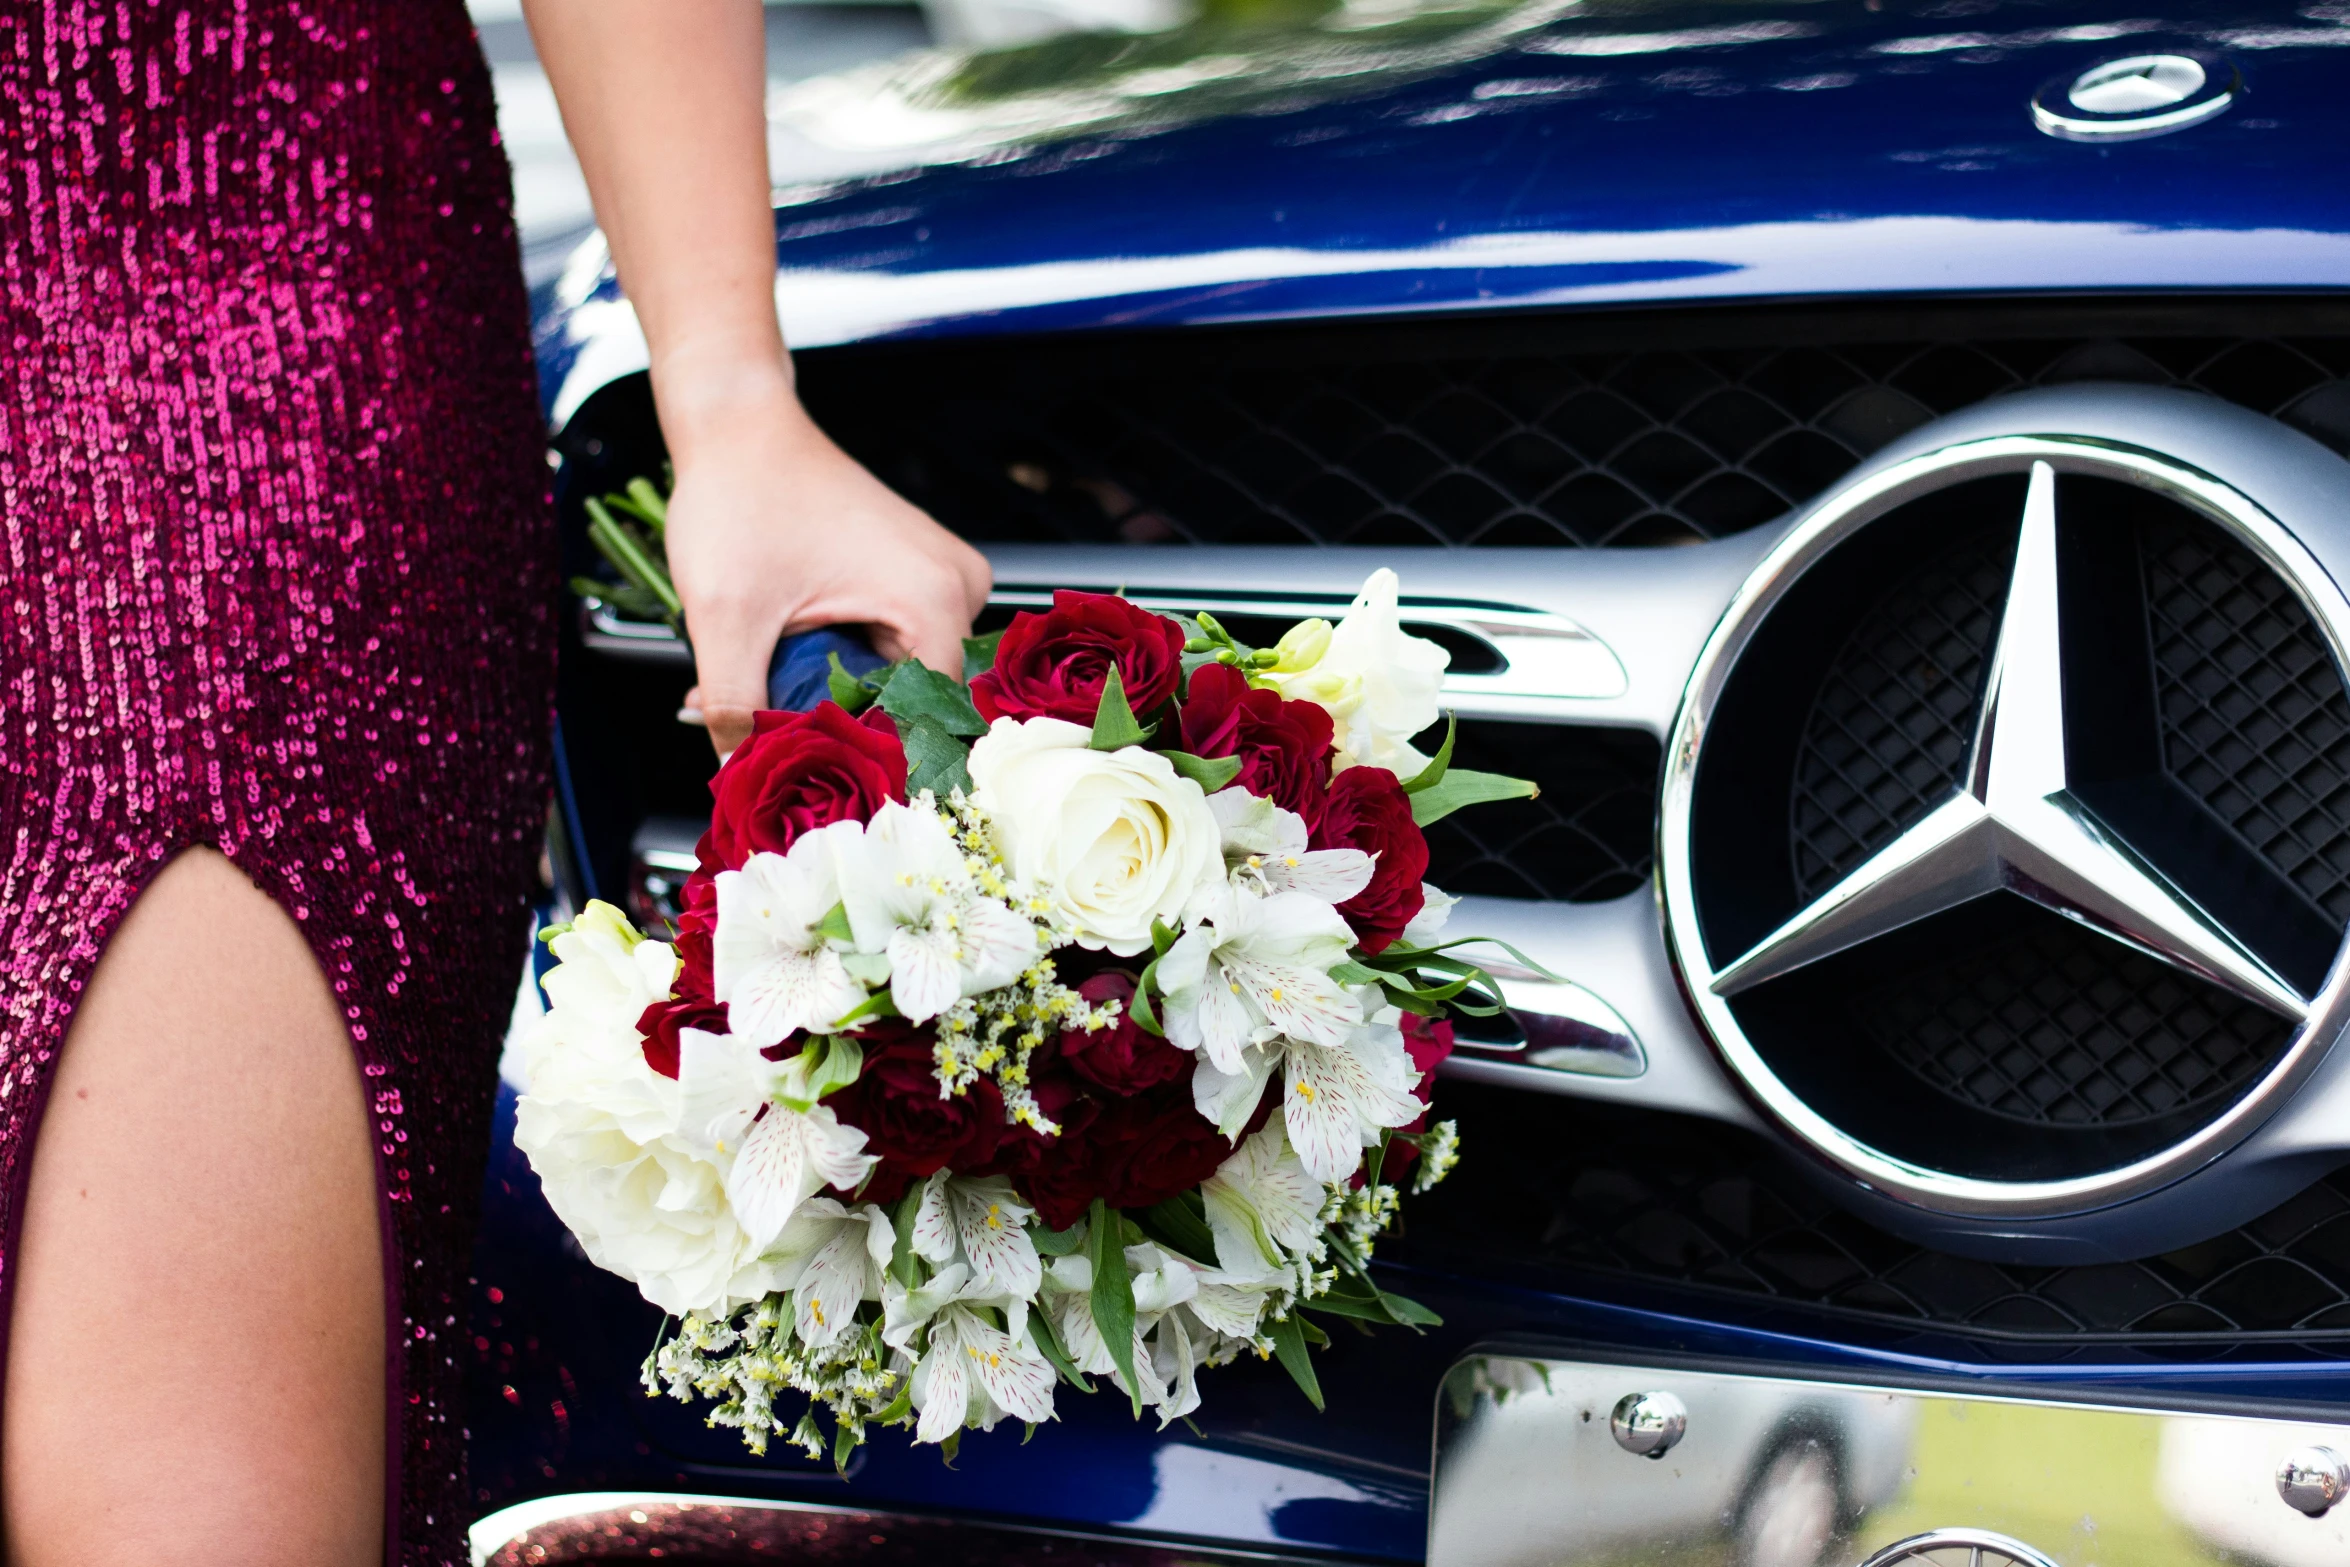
1615, 155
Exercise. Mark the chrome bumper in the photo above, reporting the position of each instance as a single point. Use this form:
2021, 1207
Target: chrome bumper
1547, 1463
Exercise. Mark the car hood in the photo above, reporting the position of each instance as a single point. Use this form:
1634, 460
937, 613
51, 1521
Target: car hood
1363, 160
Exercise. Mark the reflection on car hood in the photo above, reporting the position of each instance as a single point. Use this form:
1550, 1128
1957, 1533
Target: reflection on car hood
1376, 157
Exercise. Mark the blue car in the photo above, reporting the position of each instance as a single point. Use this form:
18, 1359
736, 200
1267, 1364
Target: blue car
1883, 467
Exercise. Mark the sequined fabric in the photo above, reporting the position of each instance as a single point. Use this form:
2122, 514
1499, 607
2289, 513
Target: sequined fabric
277, 565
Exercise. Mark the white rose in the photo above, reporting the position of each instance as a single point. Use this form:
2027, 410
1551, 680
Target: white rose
1117, 838
601, 1129
1378, 683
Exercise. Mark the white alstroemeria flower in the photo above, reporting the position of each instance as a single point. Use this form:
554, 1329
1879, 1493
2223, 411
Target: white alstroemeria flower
904, 1311
1231, 1312
1117, 839
1336, 1101
777, 973
830, 1257
1265, 851
1427, 925
1166, 1287
974, 1373
775, 1158
1265, 1210
910, 897
1162, 1282
984, 1225
1378, 683
1250, 969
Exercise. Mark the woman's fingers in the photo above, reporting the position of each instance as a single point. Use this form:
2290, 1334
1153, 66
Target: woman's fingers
732, 649
778, 530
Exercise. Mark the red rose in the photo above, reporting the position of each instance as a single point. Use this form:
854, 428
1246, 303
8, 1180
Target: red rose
1056, 1172
1121, 1059
896, 1103
661, 1021
697, 922
1054, 665
1283, 746
1161, 1146
1368, 810
1061, 1184
797, 772
1427, 1040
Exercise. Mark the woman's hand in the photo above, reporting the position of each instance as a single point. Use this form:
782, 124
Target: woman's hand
773, 530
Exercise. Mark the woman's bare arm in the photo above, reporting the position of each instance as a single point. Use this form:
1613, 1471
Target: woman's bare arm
772, 527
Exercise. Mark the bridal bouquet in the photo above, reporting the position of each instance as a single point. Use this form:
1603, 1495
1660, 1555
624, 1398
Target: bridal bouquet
1076, 1024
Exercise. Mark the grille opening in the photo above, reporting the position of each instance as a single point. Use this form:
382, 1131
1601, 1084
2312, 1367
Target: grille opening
1572, 1195
1588, 836
1630, 429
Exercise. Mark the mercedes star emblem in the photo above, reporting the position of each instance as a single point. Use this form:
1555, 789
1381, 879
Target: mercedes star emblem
2013, 824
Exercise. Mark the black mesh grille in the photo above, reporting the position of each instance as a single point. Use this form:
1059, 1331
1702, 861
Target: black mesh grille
2061, 1026
1476, 434
1589, 835
2254, 719
1891, 725
1566, 1193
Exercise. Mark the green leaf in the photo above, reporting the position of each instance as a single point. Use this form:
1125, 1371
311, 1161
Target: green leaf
1366, 1308
949, 1449
631, 556
935, 759
878, 1004
1410, 1312
1114, 726
1040, 1332
901, 1250
901, 1407
1113, 1295
1209, 772
626, 597
1163, 936
979, 654
1178, 1226
1431, 775
1463, 787
846, 689
1057, 1243
828, 1063
1146, 1017
844, 1442
651, 504
1289, 1347
912, 692
835, 924
1353, 973
1357, 1297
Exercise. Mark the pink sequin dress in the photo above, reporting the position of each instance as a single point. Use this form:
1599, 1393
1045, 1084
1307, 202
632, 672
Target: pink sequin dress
276, 567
